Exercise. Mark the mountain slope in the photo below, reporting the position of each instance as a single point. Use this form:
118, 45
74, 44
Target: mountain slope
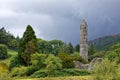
104, 43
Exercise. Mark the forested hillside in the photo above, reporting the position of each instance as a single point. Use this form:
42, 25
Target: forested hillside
104, 43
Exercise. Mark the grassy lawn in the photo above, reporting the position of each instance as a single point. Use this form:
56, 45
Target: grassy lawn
12, 52
62, 78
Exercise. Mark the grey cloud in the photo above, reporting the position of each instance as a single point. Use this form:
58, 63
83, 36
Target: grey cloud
60, 19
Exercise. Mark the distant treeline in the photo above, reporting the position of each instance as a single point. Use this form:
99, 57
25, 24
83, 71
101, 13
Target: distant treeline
8, 39
53, 46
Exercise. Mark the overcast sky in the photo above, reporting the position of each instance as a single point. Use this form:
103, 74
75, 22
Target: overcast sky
61, 19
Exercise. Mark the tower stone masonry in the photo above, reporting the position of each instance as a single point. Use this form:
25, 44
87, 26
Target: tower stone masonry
84, 40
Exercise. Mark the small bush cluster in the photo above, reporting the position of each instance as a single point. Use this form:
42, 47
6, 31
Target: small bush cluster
53, 66
112, 56
114, 53
18, 71
77, 57
23, 71
62, 72
3, 51
3, 66
30, 70
15, 62
38, 60
75, 72
52, 63
67, 60
49, 63
98, 55
117, 51
39, 73
4, 76
107, 70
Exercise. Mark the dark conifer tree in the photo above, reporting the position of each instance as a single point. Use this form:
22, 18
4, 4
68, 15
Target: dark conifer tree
77, 48
91, 50
28, 45
70, 48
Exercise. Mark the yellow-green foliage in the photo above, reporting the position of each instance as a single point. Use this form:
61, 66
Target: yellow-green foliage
38, 60
18, 71
4, 76
112, 56
76, 57
4, 72
52, 63
67, 60
63, 78
3, 67
107, 70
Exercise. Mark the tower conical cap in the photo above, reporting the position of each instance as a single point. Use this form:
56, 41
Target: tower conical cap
83, 24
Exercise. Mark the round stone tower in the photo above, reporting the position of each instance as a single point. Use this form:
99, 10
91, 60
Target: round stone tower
84, 40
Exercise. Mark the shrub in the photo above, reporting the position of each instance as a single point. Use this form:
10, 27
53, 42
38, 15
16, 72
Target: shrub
38, 60
3, 51
70, 72
112, 56
98, 54
52, 63
4, 71
75, 54
80, 59
61, 72
117, 51
13, 44
4, 76
48, 62
39, 73
107, 70
23, 71
15, 62
3, 67
67, 61
116, 48
18, 71
76, 72
30, 70
77, 57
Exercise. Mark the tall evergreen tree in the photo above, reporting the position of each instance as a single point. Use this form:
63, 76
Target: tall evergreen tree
77, 48
91, 50
28, 45
6, 38
3, 36
70, 48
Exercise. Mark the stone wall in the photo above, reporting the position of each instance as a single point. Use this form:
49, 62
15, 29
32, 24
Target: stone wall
89, 66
